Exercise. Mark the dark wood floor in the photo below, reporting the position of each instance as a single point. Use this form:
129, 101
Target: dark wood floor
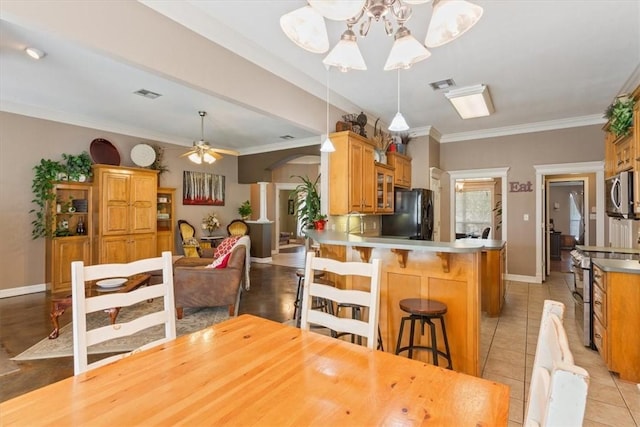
24, 320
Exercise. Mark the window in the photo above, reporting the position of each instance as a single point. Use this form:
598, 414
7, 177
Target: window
474, 204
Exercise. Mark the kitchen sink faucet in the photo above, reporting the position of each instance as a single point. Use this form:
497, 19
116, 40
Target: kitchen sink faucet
348, 227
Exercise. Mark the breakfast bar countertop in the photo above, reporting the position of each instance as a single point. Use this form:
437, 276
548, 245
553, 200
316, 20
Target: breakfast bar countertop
329, 237
618, 265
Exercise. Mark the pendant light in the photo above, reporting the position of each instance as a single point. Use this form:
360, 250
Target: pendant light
327, 145
398, 124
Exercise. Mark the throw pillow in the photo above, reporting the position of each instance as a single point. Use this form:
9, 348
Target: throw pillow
220, 262
225, 246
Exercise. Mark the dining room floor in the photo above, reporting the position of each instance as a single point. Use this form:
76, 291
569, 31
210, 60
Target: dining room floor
507, 342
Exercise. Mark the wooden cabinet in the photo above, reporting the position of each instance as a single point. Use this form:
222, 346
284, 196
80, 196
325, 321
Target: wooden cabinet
623, 153
351, 174
402, 166
384, 189
493, 286
165, 220
71, 221
616, 321
126, 203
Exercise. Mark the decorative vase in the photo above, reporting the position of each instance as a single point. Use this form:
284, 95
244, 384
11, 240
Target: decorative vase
319, 224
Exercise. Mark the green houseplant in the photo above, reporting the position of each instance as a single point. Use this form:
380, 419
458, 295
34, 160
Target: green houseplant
245, 210
620, 115
78, 168
46, 172
307, 201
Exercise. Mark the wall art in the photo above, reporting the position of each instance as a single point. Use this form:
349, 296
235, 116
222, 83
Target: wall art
202, 188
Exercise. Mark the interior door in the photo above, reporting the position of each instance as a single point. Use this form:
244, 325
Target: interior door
546, 231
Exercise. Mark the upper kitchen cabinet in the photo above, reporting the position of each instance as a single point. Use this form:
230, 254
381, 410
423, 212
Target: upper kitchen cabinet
622, 150
126, 205
351, 174
402, 165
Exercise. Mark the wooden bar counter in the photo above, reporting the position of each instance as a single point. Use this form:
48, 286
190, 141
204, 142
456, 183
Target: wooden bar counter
449, 272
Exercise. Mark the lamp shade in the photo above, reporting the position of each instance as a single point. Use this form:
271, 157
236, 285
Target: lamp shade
195, 158
305, 27
398, 124
406, 51
208, 158
450, 20
346, 54
337, 10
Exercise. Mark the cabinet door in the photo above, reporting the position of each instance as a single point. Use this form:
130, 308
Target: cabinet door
406, 173
384, 190
368, 179
115, 204
165, 242
114, 249
142, 246
65, 251
143, 188
356, 153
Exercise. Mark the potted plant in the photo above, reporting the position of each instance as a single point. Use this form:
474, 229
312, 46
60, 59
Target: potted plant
46, 172
620, 115
319, 221
245, 210
78, 168
307, 200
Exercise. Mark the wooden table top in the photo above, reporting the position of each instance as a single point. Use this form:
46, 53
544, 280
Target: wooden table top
252, 371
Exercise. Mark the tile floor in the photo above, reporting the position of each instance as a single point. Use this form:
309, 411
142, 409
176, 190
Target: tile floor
508, 345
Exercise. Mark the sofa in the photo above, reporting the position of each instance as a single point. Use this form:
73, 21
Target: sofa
198, 286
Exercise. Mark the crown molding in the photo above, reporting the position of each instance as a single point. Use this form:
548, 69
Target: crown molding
294, 143
595, 119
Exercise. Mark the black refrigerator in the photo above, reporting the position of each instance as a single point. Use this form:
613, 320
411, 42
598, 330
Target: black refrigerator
413, 215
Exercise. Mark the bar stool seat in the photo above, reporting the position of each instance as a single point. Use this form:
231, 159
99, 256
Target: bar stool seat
297, 303
424, 311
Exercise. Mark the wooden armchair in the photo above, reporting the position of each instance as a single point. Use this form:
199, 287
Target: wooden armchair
190, 244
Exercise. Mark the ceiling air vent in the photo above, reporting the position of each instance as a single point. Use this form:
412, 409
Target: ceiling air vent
147, 93
442, 84
287, 137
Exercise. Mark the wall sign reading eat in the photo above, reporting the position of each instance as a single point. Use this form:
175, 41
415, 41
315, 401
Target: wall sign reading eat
520, 187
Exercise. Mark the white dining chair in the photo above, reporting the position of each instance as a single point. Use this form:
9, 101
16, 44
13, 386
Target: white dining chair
558, 390
365, 299
83, 338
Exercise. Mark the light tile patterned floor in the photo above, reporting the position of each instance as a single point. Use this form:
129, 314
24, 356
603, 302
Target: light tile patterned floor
508, 345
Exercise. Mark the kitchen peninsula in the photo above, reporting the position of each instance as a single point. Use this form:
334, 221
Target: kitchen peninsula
450, 272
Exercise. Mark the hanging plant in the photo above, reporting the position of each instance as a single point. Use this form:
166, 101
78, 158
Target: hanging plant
620, 115
45, 174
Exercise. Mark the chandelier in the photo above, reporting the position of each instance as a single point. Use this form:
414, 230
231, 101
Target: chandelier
306, 28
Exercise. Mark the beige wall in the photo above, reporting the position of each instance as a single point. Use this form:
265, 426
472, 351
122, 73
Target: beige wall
520, 153
24, 141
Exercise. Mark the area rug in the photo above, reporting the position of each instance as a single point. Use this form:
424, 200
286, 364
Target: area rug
193, 320
6, 366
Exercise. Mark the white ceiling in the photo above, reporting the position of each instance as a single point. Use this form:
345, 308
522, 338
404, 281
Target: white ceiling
548, 64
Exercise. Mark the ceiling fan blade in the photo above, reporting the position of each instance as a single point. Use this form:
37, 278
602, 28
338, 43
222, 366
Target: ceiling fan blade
212, 152
188, 153
225, 151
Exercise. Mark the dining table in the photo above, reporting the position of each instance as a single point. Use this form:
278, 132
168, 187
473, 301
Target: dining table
253, 371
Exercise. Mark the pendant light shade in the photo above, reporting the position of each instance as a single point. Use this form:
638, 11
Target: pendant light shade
305, 27
450, 20
398, 124
406, 51
346, 55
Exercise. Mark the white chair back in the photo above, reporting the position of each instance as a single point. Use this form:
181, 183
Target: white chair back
370, 300
83, 338
558, 390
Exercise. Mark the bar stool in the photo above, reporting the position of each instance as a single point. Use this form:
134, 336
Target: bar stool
356, 313
297, 309
424, 311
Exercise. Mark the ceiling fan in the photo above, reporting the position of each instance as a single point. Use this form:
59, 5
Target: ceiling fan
202, 151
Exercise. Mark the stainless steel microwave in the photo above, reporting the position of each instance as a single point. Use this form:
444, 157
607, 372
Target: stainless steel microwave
619, 195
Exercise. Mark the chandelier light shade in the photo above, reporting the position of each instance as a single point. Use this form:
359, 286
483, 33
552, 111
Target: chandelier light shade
306, 28
195, 158
406, 51
346, 55
450, 20
471, 101
338, 10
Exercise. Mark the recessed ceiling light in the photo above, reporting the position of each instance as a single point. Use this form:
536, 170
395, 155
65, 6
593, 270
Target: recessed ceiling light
35, 53
471, 101
147, 93
442, 84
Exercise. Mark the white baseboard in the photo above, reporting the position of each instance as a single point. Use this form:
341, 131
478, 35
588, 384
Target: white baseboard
23, 290
521, 278
262, 260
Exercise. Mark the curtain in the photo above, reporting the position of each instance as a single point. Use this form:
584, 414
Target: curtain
577, 216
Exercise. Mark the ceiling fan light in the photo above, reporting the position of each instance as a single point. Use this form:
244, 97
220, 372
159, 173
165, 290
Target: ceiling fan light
337, 10
195, 158
208, 158
346, 55
35, 53
450, 20
305, 27
398, 124
327, 146
406, 51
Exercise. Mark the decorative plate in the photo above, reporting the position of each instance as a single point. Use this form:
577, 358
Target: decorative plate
103, 152
111, 283
143, 155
